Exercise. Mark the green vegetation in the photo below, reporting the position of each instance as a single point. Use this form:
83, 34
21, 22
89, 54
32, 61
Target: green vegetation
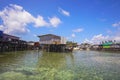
71, 44
106, 46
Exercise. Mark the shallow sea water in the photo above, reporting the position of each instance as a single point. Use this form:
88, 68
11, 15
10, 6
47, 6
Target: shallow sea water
78, 65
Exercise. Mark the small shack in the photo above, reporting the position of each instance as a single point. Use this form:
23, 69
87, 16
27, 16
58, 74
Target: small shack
53, 43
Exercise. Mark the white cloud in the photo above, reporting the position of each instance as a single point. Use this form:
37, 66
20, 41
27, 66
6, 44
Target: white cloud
116, 24
78, 30
64, 12
15, 20
87, 41
117, 38
54, 21
16, 6
99, 38
39, 21
73, 35
113, 35
96, 39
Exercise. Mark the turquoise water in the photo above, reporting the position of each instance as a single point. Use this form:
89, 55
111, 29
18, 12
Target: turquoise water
78, 65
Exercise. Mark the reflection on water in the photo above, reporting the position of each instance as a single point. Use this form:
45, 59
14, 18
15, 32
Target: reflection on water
79, 65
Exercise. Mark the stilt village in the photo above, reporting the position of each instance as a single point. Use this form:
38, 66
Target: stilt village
51, 43
48, 42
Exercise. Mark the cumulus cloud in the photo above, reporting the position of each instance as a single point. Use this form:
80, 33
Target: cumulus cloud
39, 21
64, 12
78, 30
15, 20
54, 21
96, 39
99, 38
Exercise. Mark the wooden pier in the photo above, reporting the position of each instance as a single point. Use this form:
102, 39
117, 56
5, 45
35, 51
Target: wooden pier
6, 46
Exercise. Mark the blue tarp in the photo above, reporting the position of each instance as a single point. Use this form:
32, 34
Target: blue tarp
1, 33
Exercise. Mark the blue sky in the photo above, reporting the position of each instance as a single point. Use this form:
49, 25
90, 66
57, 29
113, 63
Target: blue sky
77, 20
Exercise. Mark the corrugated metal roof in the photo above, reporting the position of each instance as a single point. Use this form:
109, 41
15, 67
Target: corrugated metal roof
48, 35
10, 36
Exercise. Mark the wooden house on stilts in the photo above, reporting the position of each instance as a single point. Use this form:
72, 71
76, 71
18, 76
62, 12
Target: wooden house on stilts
53, 43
